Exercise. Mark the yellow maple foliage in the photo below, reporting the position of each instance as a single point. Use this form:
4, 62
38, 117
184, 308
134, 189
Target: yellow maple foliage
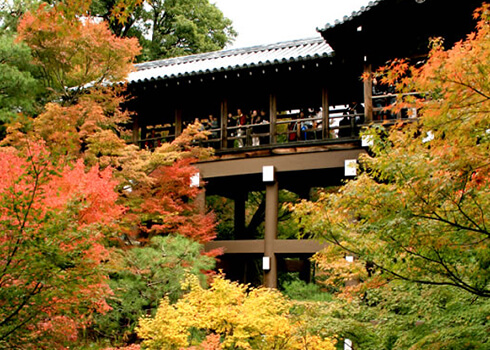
239, 316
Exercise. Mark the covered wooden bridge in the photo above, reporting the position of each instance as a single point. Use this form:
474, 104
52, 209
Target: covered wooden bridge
286, 115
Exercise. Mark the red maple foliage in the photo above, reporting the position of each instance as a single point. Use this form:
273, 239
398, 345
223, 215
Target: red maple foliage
171, 205
53, 222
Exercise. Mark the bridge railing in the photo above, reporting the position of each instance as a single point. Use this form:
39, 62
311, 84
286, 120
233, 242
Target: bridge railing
289, 127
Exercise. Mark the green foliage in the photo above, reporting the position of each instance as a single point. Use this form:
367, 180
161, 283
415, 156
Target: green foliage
10, 13
141, 276
420, 208
416, 218
187, 27
168, 28
287, 227
223, 209
302, 291
405, 316
18, 87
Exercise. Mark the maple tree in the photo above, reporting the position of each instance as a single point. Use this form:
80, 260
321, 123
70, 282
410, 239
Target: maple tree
73, 49
156, 187
76, 58
401, 315
227, 315
54, 220
415, 219
161, 234
78, 218
57, 212
419, 209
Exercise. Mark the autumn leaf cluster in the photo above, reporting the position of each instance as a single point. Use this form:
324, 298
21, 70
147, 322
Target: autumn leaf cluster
80, 206
227, 315
54, 220
415, 219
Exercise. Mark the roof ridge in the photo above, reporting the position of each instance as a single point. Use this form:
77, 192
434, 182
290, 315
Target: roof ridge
227, 53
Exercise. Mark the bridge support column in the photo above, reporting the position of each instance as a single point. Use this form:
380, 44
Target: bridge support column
271, 213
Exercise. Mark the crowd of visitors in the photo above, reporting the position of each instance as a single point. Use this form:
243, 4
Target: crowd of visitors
250, 129
253, 128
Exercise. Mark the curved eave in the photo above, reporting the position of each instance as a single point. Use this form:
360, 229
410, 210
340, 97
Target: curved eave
352, 17
231, 60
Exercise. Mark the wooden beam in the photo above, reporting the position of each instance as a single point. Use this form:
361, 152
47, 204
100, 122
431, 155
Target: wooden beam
201, 201
282, 163
144, 131
248, 246
256, 246
297, 246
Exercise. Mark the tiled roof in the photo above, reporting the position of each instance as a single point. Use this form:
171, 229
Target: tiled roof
354, 14
227, 60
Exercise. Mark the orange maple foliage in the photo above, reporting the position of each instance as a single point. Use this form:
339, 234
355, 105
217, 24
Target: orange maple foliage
73, 49
418, 210
82, 64
171, 204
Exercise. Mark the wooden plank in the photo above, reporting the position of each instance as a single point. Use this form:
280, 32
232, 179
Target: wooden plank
237, 246
281, 246
283, 163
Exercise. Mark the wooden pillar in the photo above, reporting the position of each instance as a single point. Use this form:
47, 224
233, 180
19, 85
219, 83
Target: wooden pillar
325, 115
224, 123
201, 201
240, 200
136, 131
271, 213
368, 94
178, 122
272, 117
